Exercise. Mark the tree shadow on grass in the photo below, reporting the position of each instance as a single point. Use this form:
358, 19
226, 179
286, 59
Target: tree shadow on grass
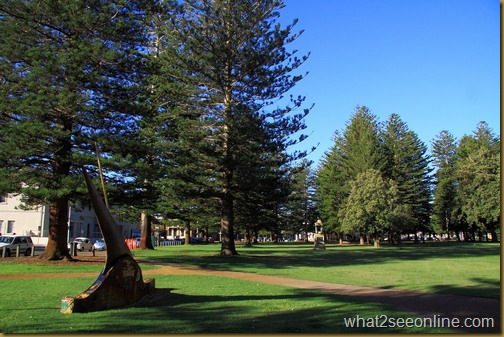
302, 256
167, 310
179, 313
482, 288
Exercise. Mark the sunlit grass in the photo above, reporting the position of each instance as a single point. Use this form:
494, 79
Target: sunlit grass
211, 304
186, 304
466, 269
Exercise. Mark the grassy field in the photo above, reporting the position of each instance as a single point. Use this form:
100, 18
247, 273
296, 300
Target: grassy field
211, 304
464, 269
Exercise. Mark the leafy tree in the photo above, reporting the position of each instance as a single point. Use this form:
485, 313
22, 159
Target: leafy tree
408, 165
237, 56
478, 176
373, 206
69, 73
357, 149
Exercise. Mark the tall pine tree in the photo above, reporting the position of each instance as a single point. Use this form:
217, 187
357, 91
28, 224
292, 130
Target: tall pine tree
478, 177
69, 72
444, 207
357, 149
237, 55
408, 165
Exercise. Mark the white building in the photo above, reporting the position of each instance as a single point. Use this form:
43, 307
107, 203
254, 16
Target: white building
13, 219
35, 222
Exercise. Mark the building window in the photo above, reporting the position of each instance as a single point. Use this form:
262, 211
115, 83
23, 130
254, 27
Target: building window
3, 199
10, 226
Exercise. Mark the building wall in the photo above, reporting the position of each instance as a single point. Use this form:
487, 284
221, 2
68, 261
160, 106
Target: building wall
35, 222
23, 222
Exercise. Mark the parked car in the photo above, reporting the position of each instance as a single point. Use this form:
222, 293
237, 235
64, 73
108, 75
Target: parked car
82, 244
100, 245
11, 242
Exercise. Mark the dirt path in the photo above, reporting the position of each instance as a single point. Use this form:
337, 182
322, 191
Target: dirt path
419, 303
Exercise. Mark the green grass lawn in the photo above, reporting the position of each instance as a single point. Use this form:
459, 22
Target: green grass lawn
187, 304
466, 269
211, 304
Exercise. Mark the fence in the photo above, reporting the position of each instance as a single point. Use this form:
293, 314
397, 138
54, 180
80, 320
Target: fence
6, 252
174, 242
135, 243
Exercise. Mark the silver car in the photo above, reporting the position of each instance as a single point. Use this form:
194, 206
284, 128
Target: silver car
11, 242
82, 244
100, 245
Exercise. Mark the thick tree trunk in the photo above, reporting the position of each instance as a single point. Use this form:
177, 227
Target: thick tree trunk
146, 231
494, 236
227, 230
376, 242
248, 239
57, 248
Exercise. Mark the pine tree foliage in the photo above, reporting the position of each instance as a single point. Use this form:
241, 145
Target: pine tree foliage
331, 184
467, 190
478, 177
408, 165
238, 58
390, 148
357, 149
362, 146
299, 211
69, 72
444, 213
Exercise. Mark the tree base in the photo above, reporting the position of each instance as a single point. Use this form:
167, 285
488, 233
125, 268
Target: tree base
228, 252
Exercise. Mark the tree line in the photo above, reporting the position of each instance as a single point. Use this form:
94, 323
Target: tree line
190, 107
378, 181
188, 104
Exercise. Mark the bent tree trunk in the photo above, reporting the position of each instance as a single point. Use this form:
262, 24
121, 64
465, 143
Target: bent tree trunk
57, 248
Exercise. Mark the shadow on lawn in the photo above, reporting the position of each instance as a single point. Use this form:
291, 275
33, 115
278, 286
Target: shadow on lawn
293, 256
482, 288
227, 314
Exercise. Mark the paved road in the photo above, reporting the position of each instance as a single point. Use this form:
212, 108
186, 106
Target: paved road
40, 249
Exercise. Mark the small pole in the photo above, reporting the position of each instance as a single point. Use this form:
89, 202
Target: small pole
101, 174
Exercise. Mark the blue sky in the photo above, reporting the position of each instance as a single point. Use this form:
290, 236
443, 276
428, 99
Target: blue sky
436, 63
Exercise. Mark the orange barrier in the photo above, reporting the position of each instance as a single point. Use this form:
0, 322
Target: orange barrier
132, 243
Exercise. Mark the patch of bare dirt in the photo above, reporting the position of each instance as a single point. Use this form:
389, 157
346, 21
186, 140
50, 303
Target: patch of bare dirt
88, 260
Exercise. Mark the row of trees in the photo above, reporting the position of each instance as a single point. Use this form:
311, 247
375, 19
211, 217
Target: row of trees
467, 194
377, 181
184, 101
187, 103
